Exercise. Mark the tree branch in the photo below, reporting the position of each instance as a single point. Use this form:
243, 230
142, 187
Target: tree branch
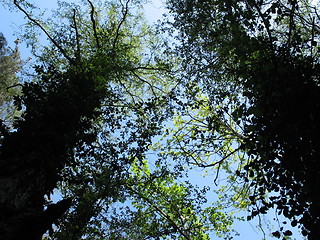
291, 23
64, 53
149, 84
94, 24
264, 20
15, 85
215, 163
78, 53
125, 11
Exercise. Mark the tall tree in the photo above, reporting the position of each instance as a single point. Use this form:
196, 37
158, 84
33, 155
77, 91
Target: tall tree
101, 93
80, 79
258, 62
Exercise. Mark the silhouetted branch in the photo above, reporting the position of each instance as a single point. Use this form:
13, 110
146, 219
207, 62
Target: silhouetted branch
291, 22
78, 53
71, 60
94, 24
15, 85
125, 11
264, 20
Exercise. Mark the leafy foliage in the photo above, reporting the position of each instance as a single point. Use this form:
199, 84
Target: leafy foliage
259, 59
115, 119
10, 65
100, 97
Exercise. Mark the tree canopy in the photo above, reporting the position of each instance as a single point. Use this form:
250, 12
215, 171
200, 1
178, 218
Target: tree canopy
118, 114
100, 94
258, 61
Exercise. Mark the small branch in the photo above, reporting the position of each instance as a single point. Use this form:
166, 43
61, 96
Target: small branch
217, 174
127, 90
220, 161
264, 20
291, 23
260, 224
55, 43
94, 24
150, 85
15, 85
316, 12
78, 53
312, 36
125, 11
170, 220
150, 68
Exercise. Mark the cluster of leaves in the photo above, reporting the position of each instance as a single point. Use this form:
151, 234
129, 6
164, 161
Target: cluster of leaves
203, 136
159, 207
259, 60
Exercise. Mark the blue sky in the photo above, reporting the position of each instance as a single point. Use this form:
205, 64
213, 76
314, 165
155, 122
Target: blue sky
12, 23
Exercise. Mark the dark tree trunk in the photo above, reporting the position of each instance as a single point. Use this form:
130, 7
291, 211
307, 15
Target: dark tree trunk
57, 118
28, 172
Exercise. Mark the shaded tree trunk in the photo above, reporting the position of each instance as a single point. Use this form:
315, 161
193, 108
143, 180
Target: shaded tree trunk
57, 117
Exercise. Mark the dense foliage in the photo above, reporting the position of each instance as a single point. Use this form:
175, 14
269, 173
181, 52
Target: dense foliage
258, 61
116, 118
100, 94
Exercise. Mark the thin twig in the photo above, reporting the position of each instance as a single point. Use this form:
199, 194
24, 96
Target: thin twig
15, 85
221, 160
312, 36
150, 68
150, 85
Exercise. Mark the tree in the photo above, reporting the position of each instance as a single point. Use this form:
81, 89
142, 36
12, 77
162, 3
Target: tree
61, 110
10, 65
258, 63
100, 95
